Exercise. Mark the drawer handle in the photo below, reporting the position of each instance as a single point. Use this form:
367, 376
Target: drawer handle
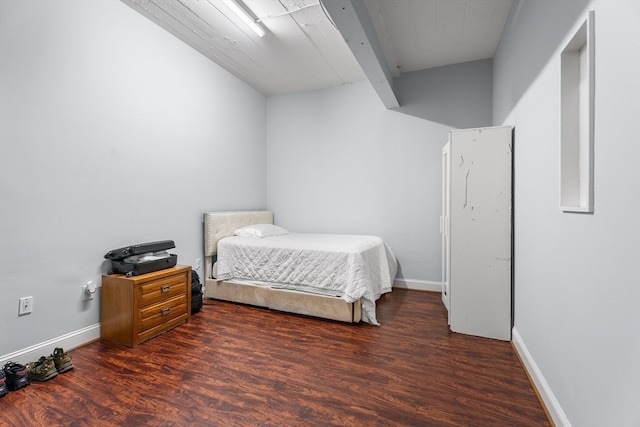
165, 311
164, 289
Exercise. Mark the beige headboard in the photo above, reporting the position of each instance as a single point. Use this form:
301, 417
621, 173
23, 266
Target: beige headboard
222, 224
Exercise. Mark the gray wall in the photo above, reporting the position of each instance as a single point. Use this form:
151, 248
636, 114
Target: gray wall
577, 276
339, 162
458, 96
112, 132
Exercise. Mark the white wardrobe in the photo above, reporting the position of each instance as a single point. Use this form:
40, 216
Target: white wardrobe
476, 227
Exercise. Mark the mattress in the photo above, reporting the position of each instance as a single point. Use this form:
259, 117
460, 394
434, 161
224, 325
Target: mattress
351, 267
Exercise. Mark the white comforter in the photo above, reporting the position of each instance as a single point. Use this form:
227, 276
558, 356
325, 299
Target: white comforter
348, 266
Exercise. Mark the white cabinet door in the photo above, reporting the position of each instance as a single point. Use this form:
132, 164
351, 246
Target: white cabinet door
480, 201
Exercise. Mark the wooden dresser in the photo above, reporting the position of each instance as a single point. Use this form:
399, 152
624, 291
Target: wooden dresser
138, 308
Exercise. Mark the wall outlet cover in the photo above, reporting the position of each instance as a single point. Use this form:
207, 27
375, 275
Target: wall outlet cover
26, 305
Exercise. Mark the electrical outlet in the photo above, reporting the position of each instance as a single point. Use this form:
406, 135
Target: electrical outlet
89, 290
86, 292
198, 264
26, 306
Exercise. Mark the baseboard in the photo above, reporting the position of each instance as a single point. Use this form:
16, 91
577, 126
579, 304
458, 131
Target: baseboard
420, 285
552, 406
67, 342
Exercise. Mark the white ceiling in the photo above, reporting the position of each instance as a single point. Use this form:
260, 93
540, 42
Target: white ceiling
303, 49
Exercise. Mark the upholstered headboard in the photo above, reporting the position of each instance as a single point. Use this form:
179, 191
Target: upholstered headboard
222, 224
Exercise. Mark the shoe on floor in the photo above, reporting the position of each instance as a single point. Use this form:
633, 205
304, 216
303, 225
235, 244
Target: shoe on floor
3, 383
42, 370
16, 375
62, 360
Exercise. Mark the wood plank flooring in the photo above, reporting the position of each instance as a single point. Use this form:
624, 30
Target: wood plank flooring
235, 365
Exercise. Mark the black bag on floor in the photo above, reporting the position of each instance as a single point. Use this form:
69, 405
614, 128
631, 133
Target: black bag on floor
196, 293
142, 258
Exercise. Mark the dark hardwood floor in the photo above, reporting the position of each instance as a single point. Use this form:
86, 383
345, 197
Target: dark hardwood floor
235, 365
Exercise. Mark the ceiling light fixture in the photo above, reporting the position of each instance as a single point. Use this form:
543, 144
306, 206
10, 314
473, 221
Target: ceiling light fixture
243, 14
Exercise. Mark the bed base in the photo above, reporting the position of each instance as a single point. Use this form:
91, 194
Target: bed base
222, 224
326, 307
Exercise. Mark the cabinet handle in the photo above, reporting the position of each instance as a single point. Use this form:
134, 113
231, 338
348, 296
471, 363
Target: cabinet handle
165, 311
164, 289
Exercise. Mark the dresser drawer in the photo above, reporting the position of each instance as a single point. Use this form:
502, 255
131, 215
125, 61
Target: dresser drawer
161, 313
162, 290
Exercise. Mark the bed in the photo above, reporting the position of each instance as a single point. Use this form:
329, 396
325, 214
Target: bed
332, 276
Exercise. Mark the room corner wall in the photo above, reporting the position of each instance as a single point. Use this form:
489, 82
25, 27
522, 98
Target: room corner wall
577, 276
338, 161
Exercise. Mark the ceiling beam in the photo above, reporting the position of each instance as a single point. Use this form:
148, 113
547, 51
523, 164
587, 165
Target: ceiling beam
353, 22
